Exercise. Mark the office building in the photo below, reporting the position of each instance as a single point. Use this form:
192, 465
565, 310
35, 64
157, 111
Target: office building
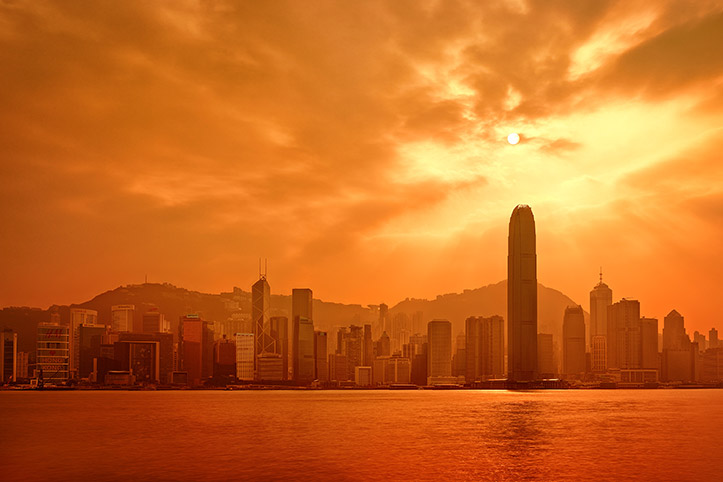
485, 348
522, 296
713, 338
439, 355
601, 297
598, 353
368, 346
679, 354
260, 309
141, 359
269, 367
8, 357
321, 359
163, 346
245, 356
363, 376
195, 348
280, 334
88, 347
154, 322
224, 358
79, 316
337, 368
22, 365
53, 353
649, 343
573, 342
302, 334
121, 317
545, 356
623, 335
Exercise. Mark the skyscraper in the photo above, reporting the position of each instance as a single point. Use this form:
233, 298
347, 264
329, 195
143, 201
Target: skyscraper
522, 296
485, 348
280, 334
155, 322
713, 338
260, 308
302, 334
8, 357
321, 358
624, 335
439, 361
245, 356
545, 356
52, 355
573, 342
601, 297
649, 343
79, 316
196, 348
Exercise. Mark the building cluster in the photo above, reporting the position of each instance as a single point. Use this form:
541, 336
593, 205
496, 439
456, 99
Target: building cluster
618, 347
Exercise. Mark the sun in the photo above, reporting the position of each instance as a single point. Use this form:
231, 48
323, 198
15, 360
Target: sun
513, 138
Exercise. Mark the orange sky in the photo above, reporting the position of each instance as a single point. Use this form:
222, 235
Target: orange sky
361, 147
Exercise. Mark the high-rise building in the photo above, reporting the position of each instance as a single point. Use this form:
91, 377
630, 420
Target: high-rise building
87, 347
649, 343
337, 368
280, 334
196, 348
260, 309
522, 296
321, 360
485, 348
439, 355
598, 353
245, 356
353, 348
699, 338
302, 350
623, 335
53, 352
392, 369
163, 349
154, 322
545, 356
601, 297
679, 354
121, 317
224, 358
713, 338
383, 345
22, 365
573, 342
79, 316
363, 376
383, 322
141, 359
9, 357
368, 347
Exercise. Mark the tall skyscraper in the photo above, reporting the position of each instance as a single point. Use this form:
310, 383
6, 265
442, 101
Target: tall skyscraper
545, 356
155, 322
649, 343
8, 356
713, 338
485, 348
573, 342
121, 317
368, 358
79, 316
624, 335
601, 297
522, 296
260, 308
321, 359
302, 334
679, 354
196, 348
439, 360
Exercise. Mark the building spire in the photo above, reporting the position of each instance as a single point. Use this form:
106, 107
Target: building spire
600, 274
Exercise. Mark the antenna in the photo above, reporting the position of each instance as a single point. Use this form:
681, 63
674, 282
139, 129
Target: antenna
600, 274
263, 269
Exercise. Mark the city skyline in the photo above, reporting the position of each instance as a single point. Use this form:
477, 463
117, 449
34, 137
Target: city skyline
362, 149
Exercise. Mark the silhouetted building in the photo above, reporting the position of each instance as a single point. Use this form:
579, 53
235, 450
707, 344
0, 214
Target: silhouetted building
712, 369
522, 296
383, 323
87, 349
22, 365
545, 356
649, 343
573, 342
53, 352
439, 354
392, 369
368, 347
623, 335
601, 297
679, 355
79, 316
302, 334
280, 334
140, 358
224, 358
599, 358
713, 338
699, 338
9, 357
337, 368
353, 348
321, 363
195, 348
485, 348
269, 367
245, 356
363, 376
260, 309
383, 346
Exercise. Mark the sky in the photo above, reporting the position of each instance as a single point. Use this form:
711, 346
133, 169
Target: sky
361, 147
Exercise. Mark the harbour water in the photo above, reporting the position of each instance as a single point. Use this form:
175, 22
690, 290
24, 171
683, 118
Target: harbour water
674, 435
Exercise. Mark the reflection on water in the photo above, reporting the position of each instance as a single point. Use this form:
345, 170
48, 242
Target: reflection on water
358, 435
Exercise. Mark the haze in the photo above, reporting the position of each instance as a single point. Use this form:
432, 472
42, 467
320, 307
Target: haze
361, 147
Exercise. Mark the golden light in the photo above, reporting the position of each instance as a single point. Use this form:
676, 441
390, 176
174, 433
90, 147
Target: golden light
513, 138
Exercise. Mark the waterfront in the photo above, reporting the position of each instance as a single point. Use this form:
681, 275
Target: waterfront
358, 435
